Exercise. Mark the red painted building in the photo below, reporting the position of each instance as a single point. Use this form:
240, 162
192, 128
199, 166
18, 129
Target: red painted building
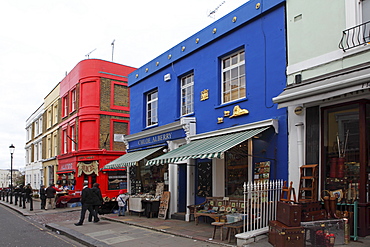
95, 113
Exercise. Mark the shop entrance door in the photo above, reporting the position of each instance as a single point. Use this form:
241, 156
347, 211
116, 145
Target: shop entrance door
182, 175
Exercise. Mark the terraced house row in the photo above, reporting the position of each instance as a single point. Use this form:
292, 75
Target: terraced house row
274, 84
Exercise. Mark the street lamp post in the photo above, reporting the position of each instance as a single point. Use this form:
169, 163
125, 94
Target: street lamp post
11, 148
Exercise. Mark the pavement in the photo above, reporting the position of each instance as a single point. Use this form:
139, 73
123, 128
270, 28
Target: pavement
107, 232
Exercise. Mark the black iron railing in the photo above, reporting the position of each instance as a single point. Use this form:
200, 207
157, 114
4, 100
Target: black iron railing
355, 36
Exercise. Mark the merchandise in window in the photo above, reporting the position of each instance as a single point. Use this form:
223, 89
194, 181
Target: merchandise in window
117, 180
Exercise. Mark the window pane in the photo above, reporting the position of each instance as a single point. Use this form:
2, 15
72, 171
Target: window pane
233, 77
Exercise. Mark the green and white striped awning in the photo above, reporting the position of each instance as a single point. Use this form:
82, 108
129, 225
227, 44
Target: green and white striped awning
207, 148
130, 159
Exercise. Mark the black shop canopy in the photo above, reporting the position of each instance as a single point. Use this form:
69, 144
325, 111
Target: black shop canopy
130, 159
207, 148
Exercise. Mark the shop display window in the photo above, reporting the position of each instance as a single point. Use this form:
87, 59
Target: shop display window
66, 181
342, 151
236, 160
117, 180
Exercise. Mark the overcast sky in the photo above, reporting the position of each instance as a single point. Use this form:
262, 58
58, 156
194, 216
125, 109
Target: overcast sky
42, 40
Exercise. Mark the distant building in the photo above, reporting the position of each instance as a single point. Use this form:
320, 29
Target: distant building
5, 177
50, 138
34, 145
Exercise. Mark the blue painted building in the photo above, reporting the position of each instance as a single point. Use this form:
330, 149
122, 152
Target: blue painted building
202, 117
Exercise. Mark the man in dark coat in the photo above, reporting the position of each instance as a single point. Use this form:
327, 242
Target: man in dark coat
87, 201
28, 191
98, 200
50, 196
43, 196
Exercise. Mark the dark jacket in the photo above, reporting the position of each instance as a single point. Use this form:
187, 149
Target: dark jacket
28, 191
98, 199
42, 193
87, 196
50, 192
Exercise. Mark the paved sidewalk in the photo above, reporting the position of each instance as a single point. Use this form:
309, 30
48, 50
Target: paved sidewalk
95, 234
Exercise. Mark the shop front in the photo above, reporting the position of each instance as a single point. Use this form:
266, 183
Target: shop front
330, 126
76, 168
217, 163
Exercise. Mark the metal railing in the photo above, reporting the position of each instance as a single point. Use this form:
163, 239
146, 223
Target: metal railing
355, 36
260, 202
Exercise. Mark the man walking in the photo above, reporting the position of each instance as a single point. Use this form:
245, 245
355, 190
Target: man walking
87, 201
50, 196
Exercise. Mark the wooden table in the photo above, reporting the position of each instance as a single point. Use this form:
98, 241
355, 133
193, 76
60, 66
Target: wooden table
216, 217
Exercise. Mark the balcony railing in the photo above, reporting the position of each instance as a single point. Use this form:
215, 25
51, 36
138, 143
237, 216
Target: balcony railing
355, 36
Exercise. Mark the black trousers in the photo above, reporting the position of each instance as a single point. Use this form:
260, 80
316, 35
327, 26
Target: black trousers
96, 209
43, 203
84, 208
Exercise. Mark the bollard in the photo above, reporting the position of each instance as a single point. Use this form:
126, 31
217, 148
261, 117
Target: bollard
30, 200
15, 198
20, 199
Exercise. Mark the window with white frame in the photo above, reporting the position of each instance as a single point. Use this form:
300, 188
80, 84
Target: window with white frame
36, 152
55, 143
50, 118
55, 113
49, 145
187, 94
40, 151
36, 128
233, 77
65, 106
73, 100
40, 125
152, 108
65, 141
73, 137
357, 12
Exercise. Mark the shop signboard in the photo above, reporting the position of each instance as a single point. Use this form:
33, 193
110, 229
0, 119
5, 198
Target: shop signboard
157, 139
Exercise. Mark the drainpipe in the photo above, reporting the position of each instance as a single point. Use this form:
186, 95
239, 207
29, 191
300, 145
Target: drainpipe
300, 142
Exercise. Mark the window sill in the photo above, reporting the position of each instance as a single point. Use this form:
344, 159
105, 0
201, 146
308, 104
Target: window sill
231, 103
187, 115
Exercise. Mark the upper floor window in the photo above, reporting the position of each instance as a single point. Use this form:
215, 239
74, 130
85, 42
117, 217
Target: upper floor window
233, 77
36, 128
55, 113
65, 106
73, 138
50, 118
40, 125
73, 100
187, 94
64, 141
152, 108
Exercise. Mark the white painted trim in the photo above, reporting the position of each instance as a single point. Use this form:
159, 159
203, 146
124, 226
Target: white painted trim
255, 125
315, 62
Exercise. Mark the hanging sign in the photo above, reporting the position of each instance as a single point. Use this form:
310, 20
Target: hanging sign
88, 168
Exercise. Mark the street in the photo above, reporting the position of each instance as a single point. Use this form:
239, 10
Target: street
31, 231
18, 230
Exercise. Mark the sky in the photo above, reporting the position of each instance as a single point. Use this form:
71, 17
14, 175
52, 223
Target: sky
42, 40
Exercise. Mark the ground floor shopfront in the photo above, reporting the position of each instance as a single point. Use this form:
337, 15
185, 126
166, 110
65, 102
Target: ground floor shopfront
216, 163
76, 168
330, 126
50, 167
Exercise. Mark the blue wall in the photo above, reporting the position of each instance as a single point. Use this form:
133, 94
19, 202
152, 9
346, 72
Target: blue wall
262, 35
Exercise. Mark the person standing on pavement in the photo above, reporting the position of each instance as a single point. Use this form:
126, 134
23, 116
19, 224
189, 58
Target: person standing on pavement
43, 196
28, 191
98, 200
87, 201
50, 196
121, 199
